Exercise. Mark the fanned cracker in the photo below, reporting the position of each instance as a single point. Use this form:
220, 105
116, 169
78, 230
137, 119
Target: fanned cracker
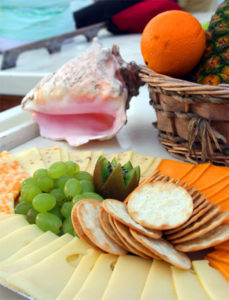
88, 211
196, 224
210, 225
117, 210
104, 221
81, 158
50, 155
64, 154
164, 250
91, 166
214, 237
160, 205
30, 160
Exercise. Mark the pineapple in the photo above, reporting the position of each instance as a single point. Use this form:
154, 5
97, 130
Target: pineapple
214, 66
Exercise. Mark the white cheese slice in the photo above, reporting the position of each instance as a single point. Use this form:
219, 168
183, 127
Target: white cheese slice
18, 239
79, 276
46, 279
64, 154
97, 280
143, 161
213, 282
124, 157
50, 155
128, 278
11, 224
187, 285
81, 158
159, 283
92, 163
4, 217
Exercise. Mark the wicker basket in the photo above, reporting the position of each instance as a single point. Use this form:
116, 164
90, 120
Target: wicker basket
192, 119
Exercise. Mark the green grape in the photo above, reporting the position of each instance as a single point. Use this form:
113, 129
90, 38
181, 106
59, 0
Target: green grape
92, 196
28, 192
67, 226
23, 207
87, 186
66, 209
62, 180
72, 187
72, 168
29, 181
57, 169
55, 181
47, 221
45, 183
40, 172
44, 202
20, 199
31, 215
82, 175
77, 198
59, 195
56, 211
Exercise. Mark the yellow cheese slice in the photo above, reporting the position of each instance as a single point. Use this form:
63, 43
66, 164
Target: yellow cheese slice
30, 160
111, 156
97, 280
81, 158
143, 161
64, 154
187, 285
50, 155
9, 225
128, 278
8, 268
152, 168
48, 277
79, 276
43, 240
124, 157
17, 240
159, 284
91, 165
213, 282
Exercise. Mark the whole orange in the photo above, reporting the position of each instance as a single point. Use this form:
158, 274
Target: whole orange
173, 43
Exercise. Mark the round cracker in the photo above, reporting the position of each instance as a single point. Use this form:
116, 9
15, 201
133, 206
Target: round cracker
117, 210
214, 237
196, 224
104, 221
208, 226
164, 250
160, 205
88, 212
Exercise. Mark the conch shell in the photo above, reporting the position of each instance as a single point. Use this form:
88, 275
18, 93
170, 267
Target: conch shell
86, 99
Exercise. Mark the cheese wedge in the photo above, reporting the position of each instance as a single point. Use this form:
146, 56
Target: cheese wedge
46, 279
79, 276
10, 267
159, 283
64, 154
81, 158
11, 224
18, 239
43, 240
128, 278
91, 165
187, 285
50, 155
213, 282
97, 280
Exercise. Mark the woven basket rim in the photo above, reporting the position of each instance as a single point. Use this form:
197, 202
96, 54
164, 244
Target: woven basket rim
184, 88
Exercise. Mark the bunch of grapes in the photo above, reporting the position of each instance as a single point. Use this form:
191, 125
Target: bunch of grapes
47, 198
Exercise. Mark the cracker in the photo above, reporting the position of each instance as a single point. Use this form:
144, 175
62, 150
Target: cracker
214, 237
160, 205
196, 224
164, 250
88, 211
117, 210
210, 225
104, 221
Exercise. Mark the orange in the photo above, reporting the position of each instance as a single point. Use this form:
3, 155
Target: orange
173, 43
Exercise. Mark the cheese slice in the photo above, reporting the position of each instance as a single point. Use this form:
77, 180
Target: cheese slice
81, 158
128, 278
124, 157
97, 280
213, 282
92, 163
30, 160
11, 224
64, 154
152, 168
48, 277
159, 284
43, 240
187, 285
50, 155
143, 161
8, 268
5, 216
18, 239
79, 276
111, 156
